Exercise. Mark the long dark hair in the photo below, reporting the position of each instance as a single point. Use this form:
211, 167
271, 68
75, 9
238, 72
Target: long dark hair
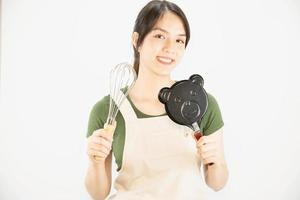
148, 17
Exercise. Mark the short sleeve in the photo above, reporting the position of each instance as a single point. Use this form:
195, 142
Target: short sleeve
98, 115
212, 119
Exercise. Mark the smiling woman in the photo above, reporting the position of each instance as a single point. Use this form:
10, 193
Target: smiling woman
155, 158
165, 44
54, 59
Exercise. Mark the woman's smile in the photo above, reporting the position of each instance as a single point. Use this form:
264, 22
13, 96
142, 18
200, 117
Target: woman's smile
164, 60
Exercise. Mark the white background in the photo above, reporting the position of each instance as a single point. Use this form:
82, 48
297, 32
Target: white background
56, 56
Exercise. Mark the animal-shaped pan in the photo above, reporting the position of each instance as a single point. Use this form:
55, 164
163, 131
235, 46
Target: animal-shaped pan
186, 102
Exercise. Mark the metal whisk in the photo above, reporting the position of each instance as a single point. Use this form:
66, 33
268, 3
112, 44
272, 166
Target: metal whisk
122, 78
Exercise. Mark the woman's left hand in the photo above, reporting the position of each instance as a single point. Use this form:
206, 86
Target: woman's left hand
210, 149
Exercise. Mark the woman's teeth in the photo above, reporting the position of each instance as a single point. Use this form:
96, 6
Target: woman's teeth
165, 60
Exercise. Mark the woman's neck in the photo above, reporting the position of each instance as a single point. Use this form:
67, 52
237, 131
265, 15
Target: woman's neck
148, 85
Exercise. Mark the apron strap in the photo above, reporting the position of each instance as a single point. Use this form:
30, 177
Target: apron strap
126, 109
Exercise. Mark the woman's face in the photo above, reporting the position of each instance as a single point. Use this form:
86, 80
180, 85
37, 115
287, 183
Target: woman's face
164, 46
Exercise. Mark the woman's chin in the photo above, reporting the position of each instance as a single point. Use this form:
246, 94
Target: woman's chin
163, 71
165, 68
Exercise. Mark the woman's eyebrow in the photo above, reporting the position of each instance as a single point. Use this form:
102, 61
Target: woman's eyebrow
163, 30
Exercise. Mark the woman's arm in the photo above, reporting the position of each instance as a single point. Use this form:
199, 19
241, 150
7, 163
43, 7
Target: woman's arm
211, 150
98, 178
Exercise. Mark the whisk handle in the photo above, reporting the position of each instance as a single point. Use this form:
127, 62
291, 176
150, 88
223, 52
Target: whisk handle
109, 129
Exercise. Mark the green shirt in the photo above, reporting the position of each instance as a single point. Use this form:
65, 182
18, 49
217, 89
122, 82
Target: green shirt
211, 122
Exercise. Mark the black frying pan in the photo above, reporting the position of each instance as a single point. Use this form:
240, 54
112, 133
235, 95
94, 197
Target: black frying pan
186, 102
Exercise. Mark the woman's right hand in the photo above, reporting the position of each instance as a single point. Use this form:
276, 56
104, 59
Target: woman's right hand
99, 145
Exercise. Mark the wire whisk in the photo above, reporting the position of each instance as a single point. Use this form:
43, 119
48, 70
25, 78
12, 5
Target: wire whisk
122, 78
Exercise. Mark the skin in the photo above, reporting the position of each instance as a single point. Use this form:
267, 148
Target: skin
164, 43
98, 177
211, 150
166, 40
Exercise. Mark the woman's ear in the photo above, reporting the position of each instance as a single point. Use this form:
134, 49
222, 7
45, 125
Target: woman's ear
135, 37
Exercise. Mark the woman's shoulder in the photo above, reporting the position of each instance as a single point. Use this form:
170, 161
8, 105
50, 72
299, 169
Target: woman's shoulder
213, 106
212, 119
100, 108
98, 115
211, 100
102, 103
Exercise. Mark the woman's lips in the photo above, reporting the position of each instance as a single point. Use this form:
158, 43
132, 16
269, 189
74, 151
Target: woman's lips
164, 60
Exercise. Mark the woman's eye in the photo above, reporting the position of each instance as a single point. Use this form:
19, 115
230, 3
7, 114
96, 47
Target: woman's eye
160, 36
180, 41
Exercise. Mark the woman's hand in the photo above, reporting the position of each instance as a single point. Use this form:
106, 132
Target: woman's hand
99, 145
210, 149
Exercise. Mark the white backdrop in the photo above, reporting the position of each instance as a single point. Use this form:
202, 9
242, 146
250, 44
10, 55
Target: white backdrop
55, 61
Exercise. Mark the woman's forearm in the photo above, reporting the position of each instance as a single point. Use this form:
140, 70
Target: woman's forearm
97, 181
216, 175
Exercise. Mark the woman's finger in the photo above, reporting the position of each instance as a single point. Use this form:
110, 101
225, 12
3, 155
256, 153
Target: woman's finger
101, 154
208, 154
101, 148
211, 159
102, 133
101, 141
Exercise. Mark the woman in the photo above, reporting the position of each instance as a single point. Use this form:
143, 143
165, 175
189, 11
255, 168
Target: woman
156, 158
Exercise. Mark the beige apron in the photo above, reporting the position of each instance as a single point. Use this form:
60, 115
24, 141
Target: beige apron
160, 160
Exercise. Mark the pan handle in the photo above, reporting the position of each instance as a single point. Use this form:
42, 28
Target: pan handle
198, 134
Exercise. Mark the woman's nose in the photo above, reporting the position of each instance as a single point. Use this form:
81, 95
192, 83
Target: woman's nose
169, 47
